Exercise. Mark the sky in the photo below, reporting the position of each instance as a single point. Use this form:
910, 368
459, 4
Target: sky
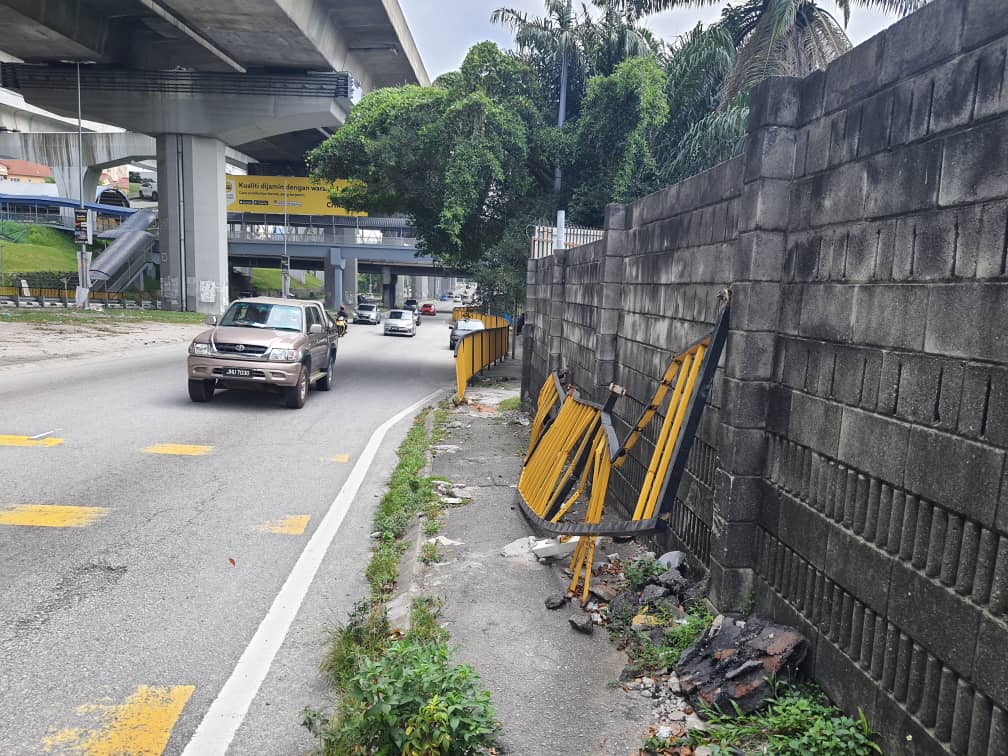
445, 29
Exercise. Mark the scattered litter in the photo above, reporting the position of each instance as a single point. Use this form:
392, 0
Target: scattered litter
452, 501
442, 541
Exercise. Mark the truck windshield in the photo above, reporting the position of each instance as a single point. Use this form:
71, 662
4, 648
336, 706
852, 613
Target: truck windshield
263, 315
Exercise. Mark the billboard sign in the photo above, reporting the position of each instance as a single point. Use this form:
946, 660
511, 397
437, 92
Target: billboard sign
275, 194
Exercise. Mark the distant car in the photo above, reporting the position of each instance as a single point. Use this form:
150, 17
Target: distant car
148, 189
367, 314
400, 322
444, 298
428, 308
461, 328
413, 307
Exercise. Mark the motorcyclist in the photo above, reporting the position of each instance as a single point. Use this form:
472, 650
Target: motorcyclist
342, 319
342, 313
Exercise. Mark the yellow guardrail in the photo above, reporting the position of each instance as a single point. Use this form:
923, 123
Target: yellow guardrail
478, 350
573, 449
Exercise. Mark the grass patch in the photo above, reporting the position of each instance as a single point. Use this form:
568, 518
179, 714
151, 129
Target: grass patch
96, 319
272, 278
400, 695
429, 553
29, 248
513, 403
431, 527
424, 625
798, 720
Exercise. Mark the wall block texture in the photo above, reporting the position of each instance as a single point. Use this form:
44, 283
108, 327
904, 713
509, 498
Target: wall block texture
849, 475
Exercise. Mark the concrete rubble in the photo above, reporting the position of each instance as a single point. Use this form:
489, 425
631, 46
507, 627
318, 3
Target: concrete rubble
729, 663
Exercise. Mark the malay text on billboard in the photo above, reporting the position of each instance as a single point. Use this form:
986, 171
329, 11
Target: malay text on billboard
275, 194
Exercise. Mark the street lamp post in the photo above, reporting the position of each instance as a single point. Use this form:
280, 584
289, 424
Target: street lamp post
285, 265
83, 258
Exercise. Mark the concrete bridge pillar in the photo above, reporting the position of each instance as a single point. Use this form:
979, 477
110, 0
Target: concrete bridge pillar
350, 282
389, 283
193, 229
400, 289
335, 266
68, 185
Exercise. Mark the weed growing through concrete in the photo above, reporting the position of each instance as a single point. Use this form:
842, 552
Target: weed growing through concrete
660, 647
400, 694
429, 553
431, 526
798, 720
510, 404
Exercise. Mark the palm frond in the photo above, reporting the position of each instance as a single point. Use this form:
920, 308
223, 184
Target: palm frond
900, 7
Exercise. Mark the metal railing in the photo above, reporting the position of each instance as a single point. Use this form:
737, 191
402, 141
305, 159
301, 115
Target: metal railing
544, 239
478, 350
40, 296
573, 449
319, 235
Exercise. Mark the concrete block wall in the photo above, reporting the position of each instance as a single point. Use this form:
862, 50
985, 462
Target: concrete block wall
849, 477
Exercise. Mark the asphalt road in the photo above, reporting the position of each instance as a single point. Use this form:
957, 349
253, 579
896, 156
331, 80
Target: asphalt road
120, 632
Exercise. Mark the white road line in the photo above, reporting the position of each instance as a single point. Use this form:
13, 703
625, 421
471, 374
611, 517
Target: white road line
226, 713
43, 435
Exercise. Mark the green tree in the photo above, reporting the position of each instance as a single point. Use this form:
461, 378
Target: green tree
458, 158
616, 138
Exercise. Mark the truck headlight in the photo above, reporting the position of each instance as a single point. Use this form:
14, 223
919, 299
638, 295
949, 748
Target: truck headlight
284, 355
199, 348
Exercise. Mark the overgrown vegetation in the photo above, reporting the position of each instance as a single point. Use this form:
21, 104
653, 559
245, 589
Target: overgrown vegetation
657, 648
798, 720
638, 572
400, 695
510, 404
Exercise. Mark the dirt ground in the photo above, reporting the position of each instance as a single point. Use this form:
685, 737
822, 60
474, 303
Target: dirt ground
31, 343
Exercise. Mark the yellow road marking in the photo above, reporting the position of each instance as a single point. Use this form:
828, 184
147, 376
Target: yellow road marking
51, 515
187, 450
339, 458
140, 727
7, 440
290, 525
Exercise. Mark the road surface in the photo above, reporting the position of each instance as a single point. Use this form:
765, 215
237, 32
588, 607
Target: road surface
169, 530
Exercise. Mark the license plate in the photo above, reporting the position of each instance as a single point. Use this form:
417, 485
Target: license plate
238, 372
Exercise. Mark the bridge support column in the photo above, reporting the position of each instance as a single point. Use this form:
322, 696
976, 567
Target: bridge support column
68, 186
350, 282
193, 223
389, 283
334, 270
400, 289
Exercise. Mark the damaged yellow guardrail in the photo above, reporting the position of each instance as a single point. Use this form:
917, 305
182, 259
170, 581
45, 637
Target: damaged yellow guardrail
573, 449
478, 350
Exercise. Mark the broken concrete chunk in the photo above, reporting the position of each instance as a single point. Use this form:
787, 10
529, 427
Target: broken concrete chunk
451, 501
555, 600
624, 606
729, 665
603, 591
582, 623
442, 541
673, 581
521, 547
652, 593
553, 547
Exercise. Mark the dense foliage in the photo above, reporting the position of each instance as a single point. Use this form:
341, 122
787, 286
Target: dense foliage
472, 158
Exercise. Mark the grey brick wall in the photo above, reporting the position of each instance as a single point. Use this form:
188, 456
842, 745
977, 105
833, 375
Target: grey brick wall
849, 476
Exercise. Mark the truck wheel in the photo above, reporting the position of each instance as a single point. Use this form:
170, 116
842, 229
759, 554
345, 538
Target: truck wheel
201, 391
295, 395
325, 382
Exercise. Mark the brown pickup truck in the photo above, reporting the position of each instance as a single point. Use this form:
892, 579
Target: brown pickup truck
281, 345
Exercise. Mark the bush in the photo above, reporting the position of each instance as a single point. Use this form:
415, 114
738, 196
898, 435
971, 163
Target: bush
413, 700
364, 636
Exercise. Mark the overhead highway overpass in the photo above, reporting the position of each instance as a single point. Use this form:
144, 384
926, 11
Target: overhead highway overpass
269, 78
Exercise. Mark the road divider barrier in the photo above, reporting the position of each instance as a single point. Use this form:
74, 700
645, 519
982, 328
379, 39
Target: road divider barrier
478, 350
573, 449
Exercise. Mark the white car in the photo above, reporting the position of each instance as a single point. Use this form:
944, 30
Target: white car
148, 189
400, 323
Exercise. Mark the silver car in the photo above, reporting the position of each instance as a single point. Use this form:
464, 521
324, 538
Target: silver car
367, 314
461, 327
400, 323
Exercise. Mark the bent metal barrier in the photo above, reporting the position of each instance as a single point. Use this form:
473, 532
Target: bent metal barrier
573, 449
479, 349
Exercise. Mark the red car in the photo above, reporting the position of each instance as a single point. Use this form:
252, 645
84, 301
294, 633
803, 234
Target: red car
428, 308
